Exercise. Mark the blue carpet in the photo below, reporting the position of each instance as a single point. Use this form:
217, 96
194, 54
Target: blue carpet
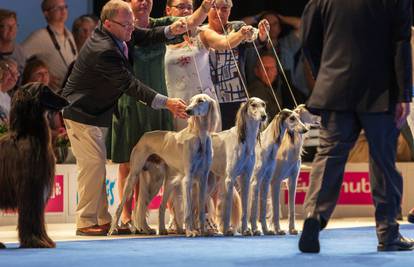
339, 247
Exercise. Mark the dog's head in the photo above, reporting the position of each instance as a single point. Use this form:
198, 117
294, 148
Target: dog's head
33, 102
252, 110
206, 108
306, 116
256, 109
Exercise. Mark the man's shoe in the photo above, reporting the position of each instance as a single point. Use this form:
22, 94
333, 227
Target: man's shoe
410, 217
94, 230
399, 244
309, 240
105, 226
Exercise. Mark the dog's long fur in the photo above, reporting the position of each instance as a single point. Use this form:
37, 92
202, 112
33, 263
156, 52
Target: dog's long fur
188, 152
288, 166
266, 154
27, 165
234, 155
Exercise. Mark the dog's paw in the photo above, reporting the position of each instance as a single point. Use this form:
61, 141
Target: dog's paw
162, 232
152, 231
280, 232
257, 232
208, 234
269, 232
36, 242
247, 232
112, 231
192, 233
293, 231
180, 231
229, 233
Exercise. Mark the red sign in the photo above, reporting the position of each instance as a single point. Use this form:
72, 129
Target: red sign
56, 201
356, 189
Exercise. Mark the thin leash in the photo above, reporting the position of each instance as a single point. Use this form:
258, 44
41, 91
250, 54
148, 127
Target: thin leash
267, 77
233, 56
193, 56
281, 68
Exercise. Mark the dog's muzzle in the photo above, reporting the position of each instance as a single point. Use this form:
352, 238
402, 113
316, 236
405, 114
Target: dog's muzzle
264, 117
189, 111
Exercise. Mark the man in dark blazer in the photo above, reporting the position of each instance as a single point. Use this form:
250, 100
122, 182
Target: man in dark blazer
360, 55
99, 77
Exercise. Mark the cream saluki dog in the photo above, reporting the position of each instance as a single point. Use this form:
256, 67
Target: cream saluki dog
288, 166
272, 137
234, 155
188, 152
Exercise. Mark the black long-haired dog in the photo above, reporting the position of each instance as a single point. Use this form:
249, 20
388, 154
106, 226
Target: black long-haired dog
27, 163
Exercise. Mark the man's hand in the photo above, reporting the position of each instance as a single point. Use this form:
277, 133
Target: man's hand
264, 27
177, 107
401, 112
178, 27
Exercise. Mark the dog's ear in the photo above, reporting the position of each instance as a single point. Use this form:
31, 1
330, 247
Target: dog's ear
213, 116
280, 119
42, 94
241, 121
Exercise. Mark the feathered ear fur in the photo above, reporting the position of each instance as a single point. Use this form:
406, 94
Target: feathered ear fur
213, 116
278, 127
241, 122
193, 123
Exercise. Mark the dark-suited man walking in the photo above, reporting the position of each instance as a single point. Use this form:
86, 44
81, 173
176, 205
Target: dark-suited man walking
360, 55
99, 77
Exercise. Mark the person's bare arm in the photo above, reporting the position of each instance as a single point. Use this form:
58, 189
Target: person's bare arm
200, 14
218, 41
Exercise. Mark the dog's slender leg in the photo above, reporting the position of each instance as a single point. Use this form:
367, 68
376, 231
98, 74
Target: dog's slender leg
292, 196
31, 220
254, 188
148, 185
275, 205
128, 189
139, 211
245, 182
165, 196
177, 208
229, 185
202, 202
186, 187
264, 190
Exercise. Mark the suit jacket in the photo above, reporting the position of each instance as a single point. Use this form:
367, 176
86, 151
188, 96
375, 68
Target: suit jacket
101, 74
359, 52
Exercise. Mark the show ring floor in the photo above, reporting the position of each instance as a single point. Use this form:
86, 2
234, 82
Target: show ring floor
347, 242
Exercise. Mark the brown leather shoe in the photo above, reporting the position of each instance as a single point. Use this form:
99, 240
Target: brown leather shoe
105, 227
93, 230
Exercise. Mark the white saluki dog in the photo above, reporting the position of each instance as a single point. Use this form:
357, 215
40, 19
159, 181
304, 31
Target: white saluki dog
188, 152
234, 155
288, 167
285, 121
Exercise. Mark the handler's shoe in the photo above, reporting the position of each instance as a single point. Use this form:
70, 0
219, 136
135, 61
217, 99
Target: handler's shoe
410, 217
309, 240
399, 244
93, 230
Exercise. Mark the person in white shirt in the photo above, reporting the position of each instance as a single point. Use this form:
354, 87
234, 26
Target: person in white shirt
53, 44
